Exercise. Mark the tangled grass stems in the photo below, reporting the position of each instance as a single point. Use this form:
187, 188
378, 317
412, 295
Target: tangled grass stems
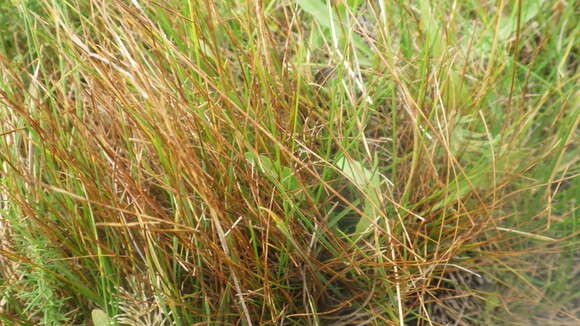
288, 162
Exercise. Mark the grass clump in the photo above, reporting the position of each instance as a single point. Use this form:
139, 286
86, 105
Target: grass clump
288, 162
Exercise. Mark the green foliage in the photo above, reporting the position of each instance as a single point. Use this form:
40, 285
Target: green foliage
100, 318
288, 162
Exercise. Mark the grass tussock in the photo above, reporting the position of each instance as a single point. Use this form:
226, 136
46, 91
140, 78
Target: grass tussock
288, 162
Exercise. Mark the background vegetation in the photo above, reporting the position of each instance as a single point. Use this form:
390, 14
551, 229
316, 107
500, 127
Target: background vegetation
289, 162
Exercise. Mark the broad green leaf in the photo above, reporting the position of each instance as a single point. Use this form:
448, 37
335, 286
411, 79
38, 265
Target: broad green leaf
530, 9
367, 181
508, 24
318, 9
100, 318
432, 28
355, 171
282, 174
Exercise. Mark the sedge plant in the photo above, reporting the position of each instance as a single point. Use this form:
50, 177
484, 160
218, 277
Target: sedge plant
300, 162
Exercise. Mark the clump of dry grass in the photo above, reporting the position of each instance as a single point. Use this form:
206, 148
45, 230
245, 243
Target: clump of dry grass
253, 163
